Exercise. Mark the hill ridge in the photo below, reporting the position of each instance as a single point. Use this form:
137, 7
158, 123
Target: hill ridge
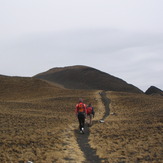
85, 77
153, 90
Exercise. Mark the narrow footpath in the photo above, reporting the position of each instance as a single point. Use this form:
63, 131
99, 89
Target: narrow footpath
106, 103
82, 139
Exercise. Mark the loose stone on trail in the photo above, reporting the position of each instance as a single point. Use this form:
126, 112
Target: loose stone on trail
101, 121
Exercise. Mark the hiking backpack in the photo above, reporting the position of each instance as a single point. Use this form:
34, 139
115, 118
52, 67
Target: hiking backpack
81, 108
89, 110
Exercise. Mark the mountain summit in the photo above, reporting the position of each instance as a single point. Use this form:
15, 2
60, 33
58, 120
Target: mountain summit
154, 90
84, 77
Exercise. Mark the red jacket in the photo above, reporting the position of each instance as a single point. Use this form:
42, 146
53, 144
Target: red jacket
80, 108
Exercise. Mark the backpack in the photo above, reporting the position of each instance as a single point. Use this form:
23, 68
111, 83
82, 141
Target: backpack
89, 110
81, 108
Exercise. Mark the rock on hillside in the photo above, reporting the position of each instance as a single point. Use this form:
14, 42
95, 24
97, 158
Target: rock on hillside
154, 90
83, 77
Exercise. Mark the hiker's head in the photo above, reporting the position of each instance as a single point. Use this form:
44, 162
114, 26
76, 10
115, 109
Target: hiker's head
89, 104
80, 100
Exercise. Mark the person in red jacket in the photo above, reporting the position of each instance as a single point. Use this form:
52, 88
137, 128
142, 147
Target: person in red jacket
80, 111
90, 114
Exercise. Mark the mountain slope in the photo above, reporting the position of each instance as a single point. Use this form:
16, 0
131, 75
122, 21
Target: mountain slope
37, 121
154, 90
83, 77
24, 87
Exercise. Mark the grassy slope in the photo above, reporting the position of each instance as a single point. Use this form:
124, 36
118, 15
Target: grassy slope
37, 124
134, 132
37, 121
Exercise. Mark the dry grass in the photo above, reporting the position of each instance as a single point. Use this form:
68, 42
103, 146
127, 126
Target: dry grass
134, 132
37, 121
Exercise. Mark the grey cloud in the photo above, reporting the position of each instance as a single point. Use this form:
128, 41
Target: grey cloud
127, 55
88, 42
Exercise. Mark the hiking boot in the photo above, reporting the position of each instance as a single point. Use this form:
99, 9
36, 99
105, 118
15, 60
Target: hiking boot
83, 130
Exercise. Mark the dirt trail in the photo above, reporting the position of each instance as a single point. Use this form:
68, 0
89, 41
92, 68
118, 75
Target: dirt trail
82, 139
89, 153
106, 103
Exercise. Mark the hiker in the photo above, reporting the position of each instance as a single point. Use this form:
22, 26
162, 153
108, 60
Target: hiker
81, 114
90, 114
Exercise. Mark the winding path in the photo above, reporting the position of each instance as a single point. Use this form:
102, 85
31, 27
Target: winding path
82, 139
106, 103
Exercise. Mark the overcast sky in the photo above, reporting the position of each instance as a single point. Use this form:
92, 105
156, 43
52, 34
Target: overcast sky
122, 37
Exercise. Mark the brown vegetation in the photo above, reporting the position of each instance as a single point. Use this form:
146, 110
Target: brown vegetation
37, 121
133, 131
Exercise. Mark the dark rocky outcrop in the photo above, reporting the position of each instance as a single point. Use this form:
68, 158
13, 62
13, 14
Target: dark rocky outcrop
154, 90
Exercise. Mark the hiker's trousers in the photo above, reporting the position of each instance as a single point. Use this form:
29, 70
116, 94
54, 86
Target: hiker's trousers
81, 118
